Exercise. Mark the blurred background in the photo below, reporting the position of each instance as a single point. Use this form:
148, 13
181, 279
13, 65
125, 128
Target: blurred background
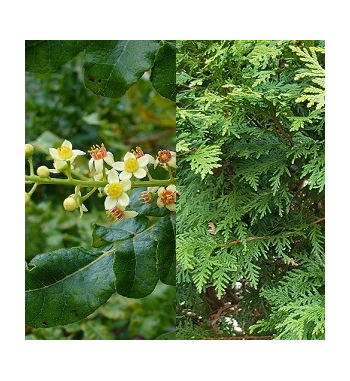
58, 107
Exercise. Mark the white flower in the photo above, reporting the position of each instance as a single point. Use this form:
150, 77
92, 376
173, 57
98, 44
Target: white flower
165, 158
139, 153
98, 156
115, 191
60, 166
167, 197
132, 166
65, 153
119, 212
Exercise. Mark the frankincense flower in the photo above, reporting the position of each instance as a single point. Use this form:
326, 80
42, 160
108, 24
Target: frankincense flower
167, 197
98, 156
139, 153
132, 166
165, 158
147, 196
115, 190
65, 153
119, 212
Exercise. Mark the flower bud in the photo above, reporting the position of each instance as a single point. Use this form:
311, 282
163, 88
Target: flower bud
70, 204
27, 198
43, 171
29, 149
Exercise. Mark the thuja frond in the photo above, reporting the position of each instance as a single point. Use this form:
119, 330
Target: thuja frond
252, 180
314, 95
204, 159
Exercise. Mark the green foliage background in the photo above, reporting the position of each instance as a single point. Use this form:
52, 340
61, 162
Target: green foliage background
58, 107
251, 148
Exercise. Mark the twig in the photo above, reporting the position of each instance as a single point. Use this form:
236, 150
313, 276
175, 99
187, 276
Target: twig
281, 131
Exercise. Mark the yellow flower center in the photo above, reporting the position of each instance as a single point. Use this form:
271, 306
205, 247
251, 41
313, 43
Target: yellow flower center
64, 152
131, 165
115, 190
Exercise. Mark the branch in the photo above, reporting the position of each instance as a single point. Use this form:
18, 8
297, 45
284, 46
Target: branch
281, 131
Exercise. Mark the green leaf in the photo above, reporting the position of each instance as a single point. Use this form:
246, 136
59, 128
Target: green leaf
67, 285
135, 266
143, 254
111, 67
163, 74
120, 231
44, 56
166, 258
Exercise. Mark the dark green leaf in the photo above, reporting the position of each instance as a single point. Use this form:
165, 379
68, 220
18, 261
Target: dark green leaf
44, 56
119, 231
163, 74
67, 285
166, 259
111, 67
136, 269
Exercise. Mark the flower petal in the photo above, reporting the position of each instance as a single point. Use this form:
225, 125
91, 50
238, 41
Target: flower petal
110, 202
171, 188
129, 155
113, 176
160, 191
151, 159
91, 164
143, 161
54, 153
77, 152
119, 165
171, 207
109, 159
123, 200
99, 165
130, 214
140, 173
67, 143
160, 203
126, 184
172, 162
125, 175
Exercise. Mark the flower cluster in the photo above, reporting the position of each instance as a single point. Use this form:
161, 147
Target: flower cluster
115, 179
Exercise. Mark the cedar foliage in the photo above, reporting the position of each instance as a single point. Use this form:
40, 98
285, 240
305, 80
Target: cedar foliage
251, 148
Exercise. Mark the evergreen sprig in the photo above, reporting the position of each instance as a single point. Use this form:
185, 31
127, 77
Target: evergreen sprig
251, 144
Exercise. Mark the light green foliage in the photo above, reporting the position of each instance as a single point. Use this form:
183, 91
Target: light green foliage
252, 161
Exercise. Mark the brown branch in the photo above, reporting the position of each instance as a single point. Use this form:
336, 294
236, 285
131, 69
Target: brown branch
319, 220
281, 131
